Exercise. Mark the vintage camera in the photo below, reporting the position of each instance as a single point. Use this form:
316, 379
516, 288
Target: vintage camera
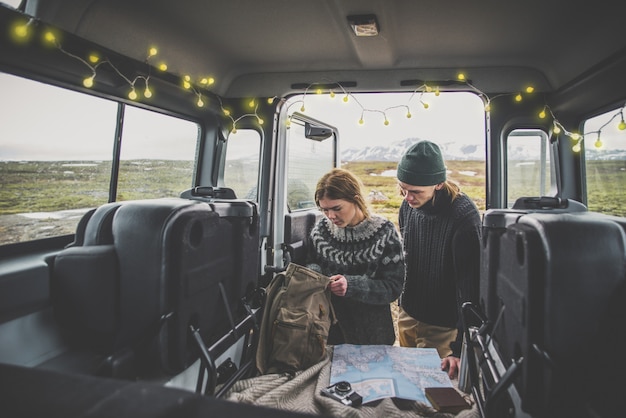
342, 392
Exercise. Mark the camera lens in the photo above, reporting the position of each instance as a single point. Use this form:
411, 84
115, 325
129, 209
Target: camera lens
343, 387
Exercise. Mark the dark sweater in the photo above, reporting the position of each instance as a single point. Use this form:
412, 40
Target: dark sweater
442, 249
371, 258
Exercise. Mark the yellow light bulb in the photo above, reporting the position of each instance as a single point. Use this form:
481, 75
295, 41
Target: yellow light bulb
234, 130
251, 103
132, 95
598, 143
88, 82
361, 121
94, 58
557, 130
530, 89
187, 78
49, 37
487, 107
227, 112
302, 109
409, 115
288, 123
200, 102
461, 76
318, 91
426, 105
163, 66
21, 31
152, 52
332, 94
437, 92
211, 81
575, 136
261, 121
270, 100
147, 92
518, 97
345, 98
576, 148
428, 89
186, 84
542, 114
386, 122
621, 126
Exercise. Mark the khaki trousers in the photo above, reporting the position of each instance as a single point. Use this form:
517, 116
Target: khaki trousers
414, 333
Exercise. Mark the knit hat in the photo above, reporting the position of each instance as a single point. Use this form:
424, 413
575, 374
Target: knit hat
422, 165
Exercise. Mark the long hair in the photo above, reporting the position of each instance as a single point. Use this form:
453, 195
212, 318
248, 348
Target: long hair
340, 183
451, 189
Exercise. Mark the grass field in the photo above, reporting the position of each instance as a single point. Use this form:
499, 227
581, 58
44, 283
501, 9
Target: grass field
42, 188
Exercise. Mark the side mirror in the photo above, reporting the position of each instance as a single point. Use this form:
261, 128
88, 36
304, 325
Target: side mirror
316, 133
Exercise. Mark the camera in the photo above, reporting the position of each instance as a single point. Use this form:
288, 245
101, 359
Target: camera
342, 392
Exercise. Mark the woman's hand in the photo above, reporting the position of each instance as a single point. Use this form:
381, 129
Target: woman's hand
338, 285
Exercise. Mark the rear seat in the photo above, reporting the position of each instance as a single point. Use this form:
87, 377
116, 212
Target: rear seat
553, 284
146, 271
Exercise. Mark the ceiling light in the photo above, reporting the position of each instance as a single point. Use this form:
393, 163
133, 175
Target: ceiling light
364, 25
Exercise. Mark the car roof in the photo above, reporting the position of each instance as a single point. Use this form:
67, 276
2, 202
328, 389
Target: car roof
275, 47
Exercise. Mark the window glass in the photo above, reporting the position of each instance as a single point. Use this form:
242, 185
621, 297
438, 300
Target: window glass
55, 158
308, 160
157, 155
241, 172
605, 163
529, 171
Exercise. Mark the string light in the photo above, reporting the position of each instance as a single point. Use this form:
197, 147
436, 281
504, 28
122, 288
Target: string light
22, 31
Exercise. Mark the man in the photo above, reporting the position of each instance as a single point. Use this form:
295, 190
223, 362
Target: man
440, 228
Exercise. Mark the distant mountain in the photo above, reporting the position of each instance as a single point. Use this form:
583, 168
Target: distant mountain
458, 151
394, 151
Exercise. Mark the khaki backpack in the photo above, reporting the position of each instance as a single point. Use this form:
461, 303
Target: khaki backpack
296, 318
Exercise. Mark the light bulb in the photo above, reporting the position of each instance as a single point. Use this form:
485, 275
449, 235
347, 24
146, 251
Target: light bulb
147, 92
576, 148
132, 95
622, 125
251, 103
345, 98
598, 143
152, 52
21, 31
200, 102
261, 121
386, 122
226, 112
186, 84
332, 94
487, 107
426, 105
270, 100
518, 97
318, 91
557, 130
302, 109
461, 76
409, 115
530, 89
542, 114
49, 37
575, 136
234, 130
88, 82
437, 92
163, 66
361, 121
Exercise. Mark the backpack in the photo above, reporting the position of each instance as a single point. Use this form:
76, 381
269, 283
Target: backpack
296, 319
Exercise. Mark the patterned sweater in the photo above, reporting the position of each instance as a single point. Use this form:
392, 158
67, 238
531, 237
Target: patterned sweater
442, 250
371, 258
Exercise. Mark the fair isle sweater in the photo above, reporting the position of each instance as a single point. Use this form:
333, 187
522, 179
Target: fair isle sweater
442, 250
370, 257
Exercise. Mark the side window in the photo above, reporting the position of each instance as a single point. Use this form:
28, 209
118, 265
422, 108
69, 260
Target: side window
241, 171
529, 170
605, 163
157, 155
310, 155
55, 158
57, 155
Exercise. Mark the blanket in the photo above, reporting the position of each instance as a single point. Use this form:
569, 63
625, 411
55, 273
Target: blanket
301, 393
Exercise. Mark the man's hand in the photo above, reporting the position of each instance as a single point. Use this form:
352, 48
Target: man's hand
451, 364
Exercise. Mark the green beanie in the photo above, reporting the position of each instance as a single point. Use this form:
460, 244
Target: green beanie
422, 165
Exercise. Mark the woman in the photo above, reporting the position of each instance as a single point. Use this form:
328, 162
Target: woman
362, 254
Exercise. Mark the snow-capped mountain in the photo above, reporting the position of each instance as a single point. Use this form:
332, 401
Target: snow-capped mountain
394, 151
